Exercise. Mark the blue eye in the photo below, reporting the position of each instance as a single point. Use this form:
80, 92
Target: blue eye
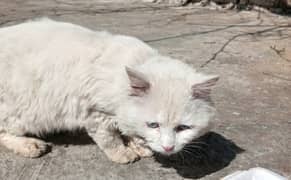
181, 128
153, 125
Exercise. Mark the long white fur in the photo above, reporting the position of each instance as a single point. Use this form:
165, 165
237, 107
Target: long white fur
53, 74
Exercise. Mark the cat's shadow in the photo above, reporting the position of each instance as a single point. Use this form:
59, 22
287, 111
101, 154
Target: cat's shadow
204, 156
66, 138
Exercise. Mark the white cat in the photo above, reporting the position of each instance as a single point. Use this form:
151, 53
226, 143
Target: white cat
56, 75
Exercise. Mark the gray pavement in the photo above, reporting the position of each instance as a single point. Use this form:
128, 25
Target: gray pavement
250, 50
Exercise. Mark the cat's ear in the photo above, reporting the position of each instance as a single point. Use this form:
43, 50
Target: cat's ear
138, 82
203, 90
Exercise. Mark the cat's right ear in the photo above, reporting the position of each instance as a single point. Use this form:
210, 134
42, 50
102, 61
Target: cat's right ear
138, 82
202, 90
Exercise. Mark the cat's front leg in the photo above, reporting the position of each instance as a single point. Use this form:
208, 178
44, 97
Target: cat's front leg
24, 146
110, 142
138, 146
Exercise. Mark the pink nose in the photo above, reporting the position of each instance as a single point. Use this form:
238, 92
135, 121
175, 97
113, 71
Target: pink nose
168, 148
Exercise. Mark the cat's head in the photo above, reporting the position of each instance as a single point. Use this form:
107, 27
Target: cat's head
168, 104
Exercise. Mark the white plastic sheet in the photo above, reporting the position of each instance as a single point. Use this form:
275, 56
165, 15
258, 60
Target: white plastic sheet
254, 174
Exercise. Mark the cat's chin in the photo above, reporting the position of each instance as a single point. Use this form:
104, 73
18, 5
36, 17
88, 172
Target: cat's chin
164, 153
168, 153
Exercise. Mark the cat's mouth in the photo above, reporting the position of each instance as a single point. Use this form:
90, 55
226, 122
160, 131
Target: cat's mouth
165, 152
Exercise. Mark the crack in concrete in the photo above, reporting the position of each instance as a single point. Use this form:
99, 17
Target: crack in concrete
222, 48
188, 34
38, 170
277, 76
280, 53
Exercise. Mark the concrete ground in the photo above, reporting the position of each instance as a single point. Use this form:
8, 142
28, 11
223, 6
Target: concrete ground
251, 51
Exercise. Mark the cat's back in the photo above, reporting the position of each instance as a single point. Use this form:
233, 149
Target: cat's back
47, 41
59, 53
32, 50
46, 37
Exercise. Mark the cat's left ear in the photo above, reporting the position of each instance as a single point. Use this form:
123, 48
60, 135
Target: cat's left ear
203, 90
138, 82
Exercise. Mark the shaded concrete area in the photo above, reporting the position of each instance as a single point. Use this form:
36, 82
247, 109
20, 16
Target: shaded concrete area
250, 50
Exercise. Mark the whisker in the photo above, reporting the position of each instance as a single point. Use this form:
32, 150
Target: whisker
201, 152
182, 157
195, 149
199, 142
191, 153
193, 146
186, 151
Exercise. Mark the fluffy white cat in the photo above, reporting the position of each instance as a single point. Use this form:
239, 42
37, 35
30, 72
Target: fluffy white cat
57, 75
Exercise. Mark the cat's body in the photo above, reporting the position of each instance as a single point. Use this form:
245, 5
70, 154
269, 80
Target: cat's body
56, 76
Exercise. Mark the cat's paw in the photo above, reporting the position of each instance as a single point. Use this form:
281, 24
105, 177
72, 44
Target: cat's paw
140, 150
122, 155
30, 147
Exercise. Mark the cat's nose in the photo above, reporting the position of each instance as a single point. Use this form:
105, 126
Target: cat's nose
168, 148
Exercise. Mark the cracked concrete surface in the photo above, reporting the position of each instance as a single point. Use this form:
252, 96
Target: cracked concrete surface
250, 50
